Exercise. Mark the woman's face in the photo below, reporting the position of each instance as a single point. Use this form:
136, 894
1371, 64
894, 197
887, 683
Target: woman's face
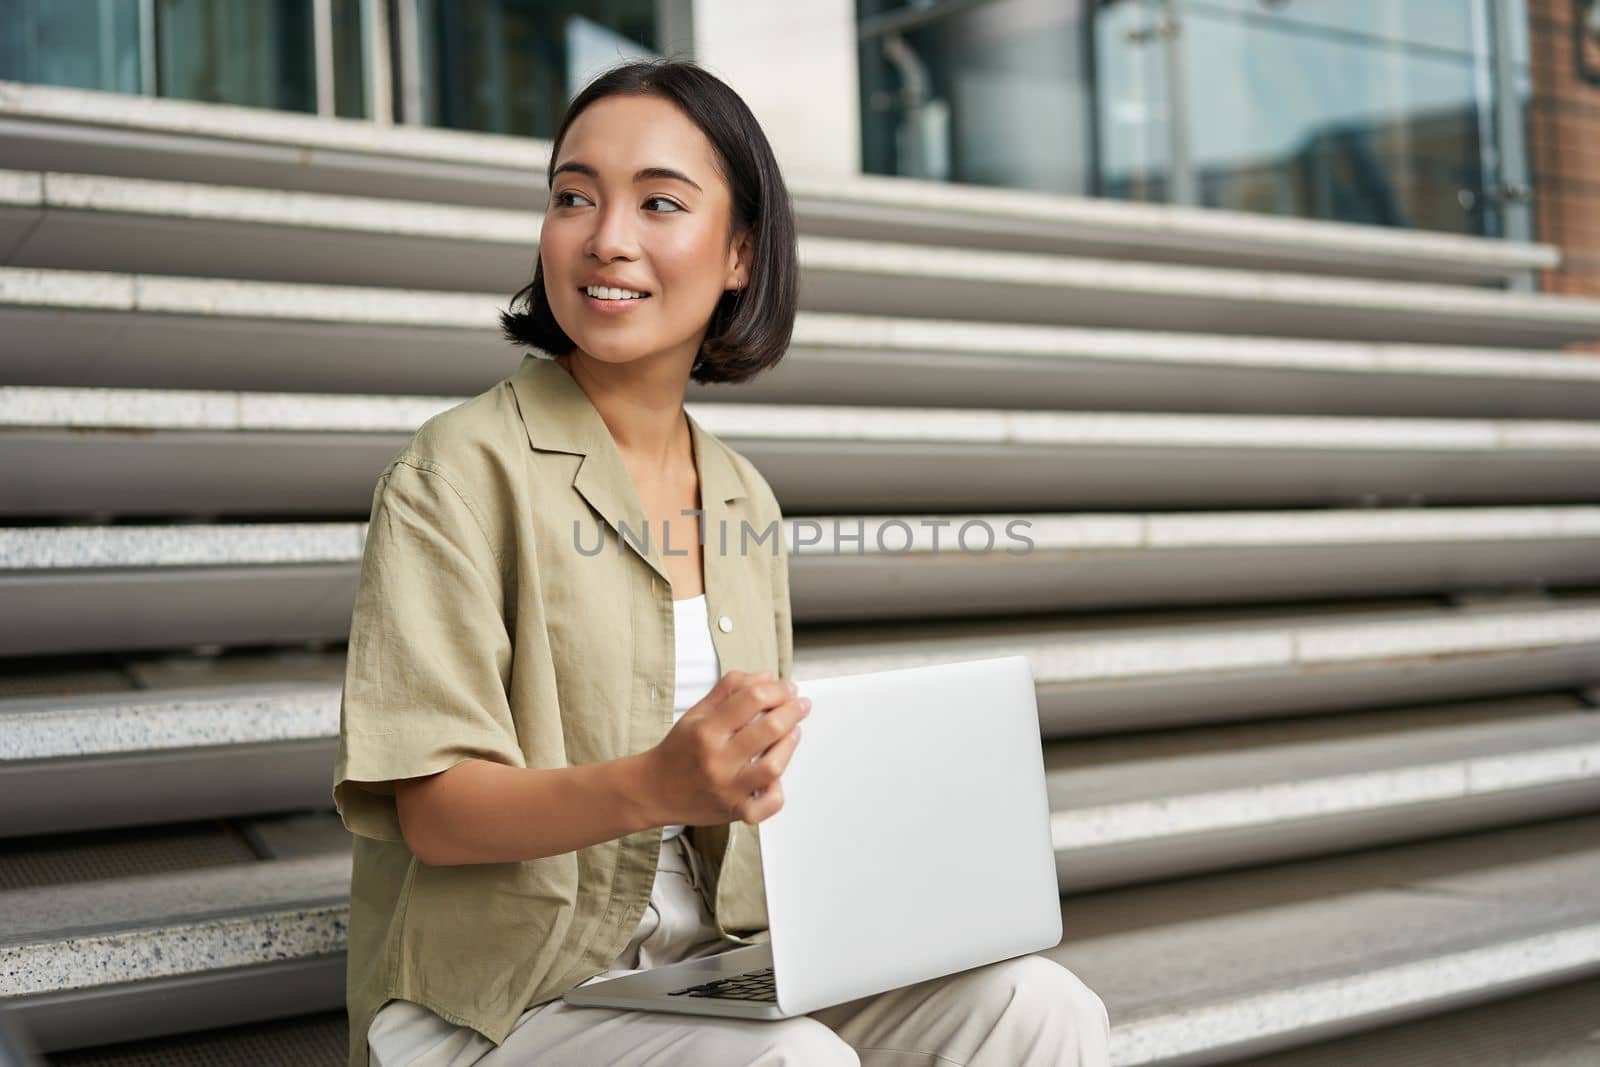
656, 233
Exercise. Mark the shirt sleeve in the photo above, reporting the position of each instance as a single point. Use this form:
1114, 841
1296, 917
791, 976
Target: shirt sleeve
429, 660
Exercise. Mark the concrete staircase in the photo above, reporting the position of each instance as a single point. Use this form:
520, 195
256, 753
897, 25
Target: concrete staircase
1313, 602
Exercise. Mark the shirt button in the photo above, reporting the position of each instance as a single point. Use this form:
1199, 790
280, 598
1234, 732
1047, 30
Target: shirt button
724, 624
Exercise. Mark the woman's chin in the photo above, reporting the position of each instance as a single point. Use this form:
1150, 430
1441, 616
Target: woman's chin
609, 351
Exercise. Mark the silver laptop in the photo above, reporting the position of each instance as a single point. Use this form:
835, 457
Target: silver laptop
913, 842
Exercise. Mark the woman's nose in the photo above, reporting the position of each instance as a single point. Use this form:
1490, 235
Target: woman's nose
613, 235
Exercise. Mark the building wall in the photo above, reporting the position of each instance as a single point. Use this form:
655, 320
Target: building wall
1564, 141
794, 65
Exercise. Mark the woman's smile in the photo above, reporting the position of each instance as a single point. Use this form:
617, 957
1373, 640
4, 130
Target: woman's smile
611, 307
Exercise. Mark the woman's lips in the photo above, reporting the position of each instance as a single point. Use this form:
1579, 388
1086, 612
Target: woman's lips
612, 307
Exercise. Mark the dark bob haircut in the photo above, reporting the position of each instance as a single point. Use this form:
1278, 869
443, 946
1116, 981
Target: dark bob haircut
750, 328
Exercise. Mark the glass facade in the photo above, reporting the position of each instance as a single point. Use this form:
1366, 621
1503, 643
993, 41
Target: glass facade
1372, 111
510, 66
996, 93
1357, 110
83, 44
349, 55
502, 66
259, 54
1403, 113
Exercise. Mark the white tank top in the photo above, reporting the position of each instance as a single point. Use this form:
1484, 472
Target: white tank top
696, 665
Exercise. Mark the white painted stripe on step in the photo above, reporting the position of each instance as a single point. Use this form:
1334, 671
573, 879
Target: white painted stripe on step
233, 298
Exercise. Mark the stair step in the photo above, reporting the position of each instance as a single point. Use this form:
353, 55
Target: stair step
39, 862
1134, 671
896, 208
59, 221
61, 128
84, 588
190, 332
90, 451
86, 963
66, 129
1551, 1027
206, 333
76, 589
923, 362
1129, 809
62, 221
1110, 673
318, 1040
1207, 970
885, 278
1184, 965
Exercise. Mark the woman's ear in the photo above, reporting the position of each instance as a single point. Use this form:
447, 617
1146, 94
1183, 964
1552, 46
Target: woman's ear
739, 274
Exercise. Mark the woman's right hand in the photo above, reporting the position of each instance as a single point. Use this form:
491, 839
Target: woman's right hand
722, 759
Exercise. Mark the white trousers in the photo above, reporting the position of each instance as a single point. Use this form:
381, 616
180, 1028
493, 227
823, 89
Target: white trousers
1028, 1011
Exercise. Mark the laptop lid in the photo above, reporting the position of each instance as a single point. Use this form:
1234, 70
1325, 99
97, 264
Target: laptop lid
914, 839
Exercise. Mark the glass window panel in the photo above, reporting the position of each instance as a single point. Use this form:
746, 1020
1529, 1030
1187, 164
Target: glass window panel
1432, 25
86, 44
258, 54
1341, 109
510, 66
1369, 111
1133, 120
996, 94
349, 61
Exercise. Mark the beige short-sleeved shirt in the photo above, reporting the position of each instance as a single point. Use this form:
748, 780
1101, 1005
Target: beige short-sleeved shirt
487, 625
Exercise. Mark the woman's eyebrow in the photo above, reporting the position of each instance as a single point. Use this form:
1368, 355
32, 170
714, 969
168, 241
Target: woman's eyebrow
641, 175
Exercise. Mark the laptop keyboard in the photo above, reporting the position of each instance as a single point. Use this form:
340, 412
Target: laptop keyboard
753, 985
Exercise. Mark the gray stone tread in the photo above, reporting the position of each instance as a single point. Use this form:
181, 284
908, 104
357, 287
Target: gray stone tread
53, 912
1165, 948
1555, 1027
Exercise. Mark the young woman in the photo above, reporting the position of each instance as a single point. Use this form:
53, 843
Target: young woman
557, 740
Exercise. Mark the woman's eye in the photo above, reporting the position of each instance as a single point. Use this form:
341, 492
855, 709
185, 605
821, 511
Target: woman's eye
560, 200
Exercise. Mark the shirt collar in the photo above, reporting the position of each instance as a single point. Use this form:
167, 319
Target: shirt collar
558, 416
